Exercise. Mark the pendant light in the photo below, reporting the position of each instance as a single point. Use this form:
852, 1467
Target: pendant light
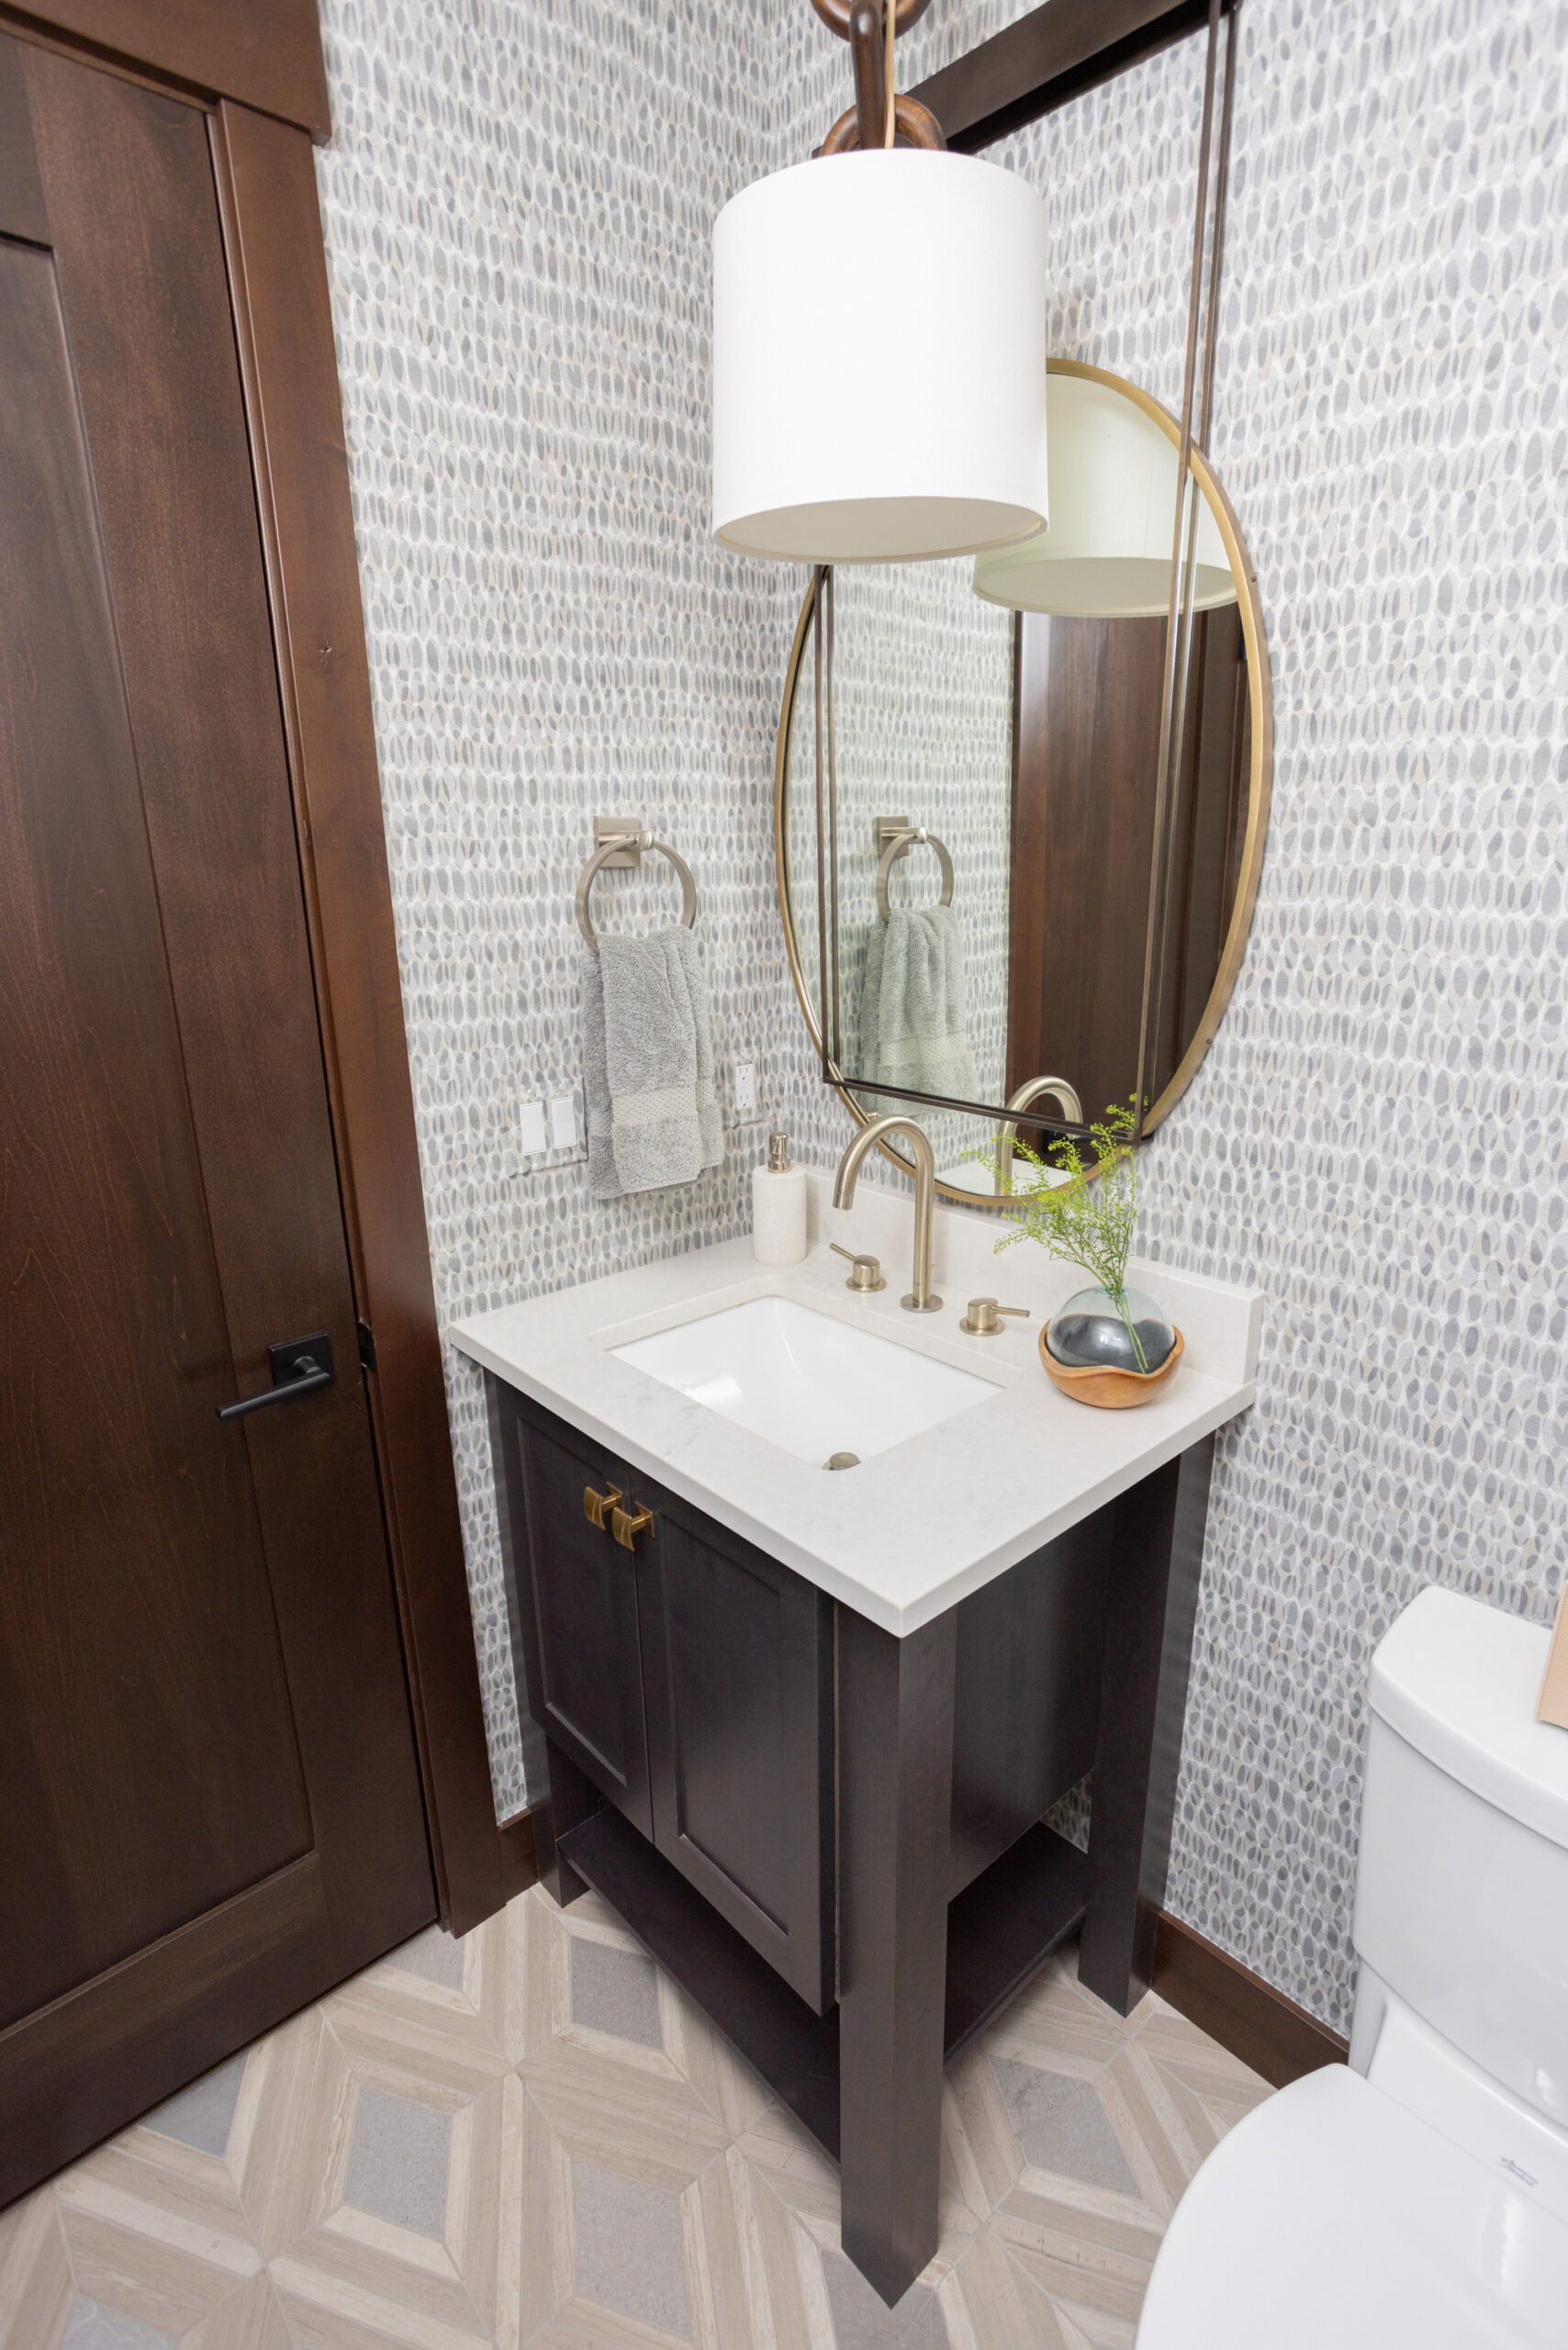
880, 338
1106, 554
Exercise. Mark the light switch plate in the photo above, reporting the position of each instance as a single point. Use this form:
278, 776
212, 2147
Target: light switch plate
562, 1120
531, 1130
745, 1089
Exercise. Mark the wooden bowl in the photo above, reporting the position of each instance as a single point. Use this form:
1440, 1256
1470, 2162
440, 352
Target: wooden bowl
1108, 1389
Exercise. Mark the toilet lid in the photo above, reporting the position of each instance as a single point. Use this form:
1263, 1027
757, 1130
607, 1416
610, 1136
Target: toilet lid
1333, 2217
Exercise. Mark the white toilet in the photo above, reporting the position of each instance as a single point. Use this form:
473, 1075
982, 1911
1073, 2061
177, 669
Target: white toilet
1419, 2199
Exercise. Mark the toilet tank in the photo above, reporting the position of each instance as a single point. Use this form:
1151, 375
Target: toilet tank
1461, 1884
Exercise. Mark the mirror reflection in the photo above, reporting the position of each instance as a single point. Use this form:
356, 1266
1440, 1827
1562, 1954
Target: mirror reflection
985, 910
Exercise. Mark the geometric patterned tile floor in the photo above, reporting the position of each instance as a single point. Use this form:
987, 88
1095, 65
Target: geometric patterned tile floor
533, 2137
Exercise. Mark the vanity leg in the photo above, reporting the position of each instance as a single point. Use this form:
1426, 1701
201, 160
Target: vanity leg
895, 1764
565, 1798
1156, 1557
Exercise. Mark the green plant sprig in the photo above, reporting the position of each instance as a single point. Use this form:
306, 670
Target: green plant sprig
1090, 1218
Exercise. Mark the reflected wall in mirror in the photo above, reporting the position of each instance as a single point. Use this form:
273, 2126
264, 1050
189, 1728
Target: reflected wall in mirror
973, 912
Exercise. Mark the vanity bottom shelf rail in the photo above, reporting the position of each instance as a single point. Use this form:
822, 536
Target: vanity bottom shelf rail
1000, 1928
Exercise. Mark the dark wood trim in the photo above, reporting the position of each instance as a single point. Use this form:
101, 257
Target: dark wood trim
1236, 2008
261, 54
1047, 58
266, 180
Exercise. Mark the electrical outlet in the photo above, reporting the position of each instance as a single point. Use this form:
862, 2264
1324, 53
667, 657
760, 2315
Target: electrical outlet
745, 1089
562, 1120
531, 1130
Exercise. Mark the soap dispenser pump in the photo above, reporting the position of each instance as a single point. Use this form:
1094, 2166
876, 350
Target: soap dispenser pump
778, 1206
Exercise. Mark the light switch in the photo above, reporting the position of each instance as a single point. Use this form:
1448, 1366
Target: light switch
562, 1120
530, 1131
745, 1089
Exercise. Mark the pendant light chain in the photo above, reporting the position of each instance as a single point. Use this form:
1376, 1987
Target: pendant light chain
879, 117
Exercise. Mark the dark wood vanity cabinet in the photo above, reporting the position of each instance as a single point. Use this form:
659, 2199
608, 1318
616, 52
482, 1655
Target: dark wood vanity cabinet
832, 1835
688, 1676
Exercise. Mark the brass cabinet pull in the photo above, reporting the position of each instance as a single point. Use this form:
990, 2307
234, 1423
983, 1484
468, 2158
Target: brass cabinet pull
595, 1505
627, 1524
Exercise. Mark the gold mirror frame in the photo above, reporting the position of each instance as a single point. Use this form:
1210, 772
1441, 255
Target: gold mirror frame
1261, 695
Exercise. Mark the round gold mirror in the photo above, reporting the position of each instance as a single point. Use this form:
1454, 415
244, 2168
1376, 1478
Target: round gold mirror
990, 903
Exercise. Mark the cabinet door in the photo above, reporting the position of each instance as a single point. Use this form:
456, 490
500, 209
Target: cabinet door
575, 1602
739, 1692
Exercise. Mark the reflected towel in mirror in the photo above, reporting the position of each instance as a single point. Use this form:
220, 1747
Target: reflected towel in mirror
914, 1004
653, 1110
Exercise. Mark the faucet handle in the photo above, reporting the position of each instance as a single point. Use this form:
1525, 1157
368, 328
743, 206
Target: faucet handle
865, 1272
983, 1319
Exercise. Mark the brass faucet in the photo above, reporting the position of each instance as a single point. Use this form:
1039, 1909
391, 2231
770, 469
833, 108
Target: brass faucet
1007, 1133
919, 1300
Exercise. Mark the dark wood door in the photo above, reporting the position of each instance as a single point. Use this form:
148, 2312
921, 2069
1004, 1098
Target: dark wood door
1208, 832
575, 1604
1086, 758
211, 1807
739, 1666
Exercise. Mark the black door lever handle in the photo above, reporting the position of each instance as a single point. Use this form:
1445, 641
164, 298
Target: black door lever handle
298, 1367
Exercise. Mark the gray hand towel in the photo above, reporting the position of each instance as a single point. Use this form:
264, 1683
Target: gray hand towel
913, 1003
652, 1112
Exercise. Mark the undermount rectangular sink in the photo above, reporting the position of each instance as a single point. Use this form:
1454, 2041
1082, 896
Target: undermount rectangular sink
806, 1381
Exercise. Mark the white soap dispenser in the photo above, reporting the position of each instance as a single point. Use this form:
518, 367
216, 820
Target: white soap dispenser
778, 1208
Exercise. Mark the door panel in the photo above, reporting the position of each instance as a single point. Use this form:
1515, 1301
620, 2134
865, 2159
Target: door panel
738, 1654
1086, 750
578, 1618
165, 423
119, 1486
1086, 754
203, 1716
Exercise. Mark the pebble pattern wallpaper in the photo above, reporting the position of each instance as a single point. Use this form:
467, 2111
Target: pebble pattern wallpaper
1377, 1137
518, 202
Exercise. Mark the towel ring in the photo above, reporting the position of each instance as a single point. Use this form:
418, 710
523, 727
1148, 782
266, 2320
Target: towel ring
899, 846
612, 847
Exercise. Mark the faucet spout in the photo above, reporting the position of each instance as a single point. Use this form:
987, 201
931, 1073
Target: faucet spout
920, 1299
1034, 1089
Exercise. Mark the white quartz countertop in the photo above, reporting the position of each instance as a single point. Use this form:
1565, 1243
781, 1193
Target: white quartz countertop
915, 1528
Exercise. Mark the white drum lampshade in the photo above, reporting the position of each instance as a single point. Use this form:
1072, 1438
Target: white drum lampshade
1112, 495
879, 360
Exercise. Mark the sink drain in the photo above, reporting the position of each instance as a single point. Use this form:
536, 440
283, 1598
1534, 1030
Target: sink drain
842, 1460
